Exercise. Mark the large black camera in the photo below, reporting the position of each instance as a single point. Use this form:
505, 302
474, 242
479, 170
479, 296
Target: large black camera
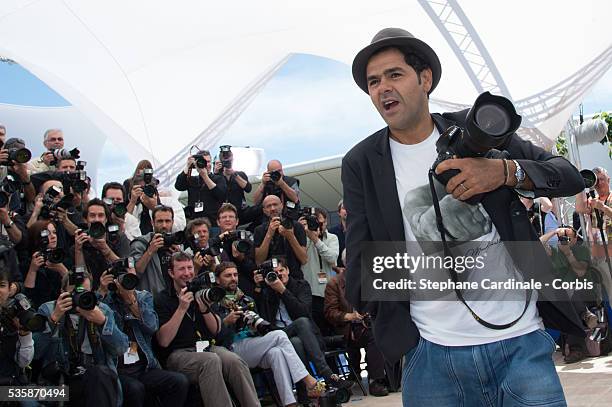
309, 213
225, 155
173, 238
119, 209
243, 239
49, 204
8, 186
266, 269
19, 306
17, 155
334, 397
250, 319
489, 125
291, 213
62, 154
119, 270
81, 298
275, 176
149, 188
77, 181
200, 160
96, 230
202, 288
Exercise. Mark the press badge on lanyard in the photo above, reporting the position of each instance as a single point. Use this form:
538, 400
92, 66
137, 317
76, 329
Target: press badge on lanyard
201, 346
131, 355
198, 207
322, 277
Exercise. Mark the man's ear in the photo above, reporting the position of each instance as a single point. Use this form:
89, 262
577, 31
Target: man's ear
426, 79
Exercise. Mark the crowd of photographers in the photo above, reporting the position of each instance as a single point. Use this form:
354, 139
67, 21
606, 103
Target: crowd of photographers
132, 297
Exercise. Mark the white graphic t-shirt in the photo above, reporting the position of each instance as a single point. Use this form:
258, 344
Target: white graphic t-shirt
450, 323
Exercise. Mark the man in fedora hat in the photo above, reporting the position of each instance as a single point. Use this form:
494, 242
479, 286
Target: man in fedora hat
487, 352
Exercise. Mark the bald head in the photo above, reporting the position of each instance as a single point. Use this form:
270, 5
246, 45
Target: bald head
272, 206
275, 165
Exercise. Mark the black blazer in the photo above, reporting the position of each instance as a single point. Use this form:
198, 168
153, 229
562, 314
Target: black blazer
374, 214
297, 299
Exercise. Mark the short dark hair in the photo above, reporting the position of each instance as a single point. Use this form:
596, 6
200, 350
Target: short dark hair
97, 202
321, 211
162, 208
194, 223
224, 266
412, 58
227, 207
112, 185
179, 256
66, 159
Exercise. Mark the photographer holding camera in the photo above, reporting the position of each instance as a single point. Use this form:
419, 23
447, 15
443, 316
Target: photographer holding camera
81, 343
144, 197
237, 181
186, 330
197, 234
280, 237
53, 139
384, 174
322, 249
357, 331
275, 182
113, 196
287, 304
254, 339
52, 203
48, 265
153, 250
16, 343
139, 371
205, 190
101, 243
14, 158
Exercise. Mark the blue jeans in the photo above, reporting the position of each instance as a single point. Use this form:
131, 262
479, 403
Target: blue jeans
513, 372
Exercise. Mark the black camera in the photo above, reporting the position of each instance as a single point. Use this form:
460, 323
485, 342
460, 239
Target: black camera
80, 165
291, 213
147, 175
310, 215
112, 233
19, 306
119, 270
17, 155
77, 181
225, 156
80, 296
8, 186
49, 204
334, 397
266, 269
243, 239
275, 176
202, 288
54, 256
119, 209
489, 125
200, 160
96, 230
63, 154
256, 323
173, 238
149, 190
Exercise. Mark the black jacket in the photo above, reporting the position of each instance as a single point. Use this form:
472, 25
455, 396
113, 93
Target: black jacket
297, 299
374, 214
197, 191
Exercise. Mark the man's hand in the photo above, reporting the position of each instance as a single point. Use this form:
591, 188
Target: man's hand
5, 219
155, 244
265, 178
203, 306
232, 317
38, 203
95, 315
105, 279
48, 158
476, 176
4, 154
273, 226
236, 254
37, 261
277, 286
311, 234
80, 239
258, 277
190, 164
136, 193
185, 298
596, 204
218, 167
62, 305
228, 172
353, 316
285, 232
148, 202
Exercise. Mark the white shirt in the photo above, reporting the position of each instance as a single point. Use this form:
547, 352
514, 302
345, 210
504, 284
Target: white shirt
449, 323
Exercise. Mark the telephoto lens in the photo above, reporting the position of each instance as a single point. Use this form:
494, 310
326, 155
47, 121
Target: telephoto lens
97, 230
20, 307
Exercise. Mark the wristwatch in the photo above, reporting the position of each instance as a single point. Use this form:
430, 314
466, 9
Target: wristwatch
519, 174
10, 225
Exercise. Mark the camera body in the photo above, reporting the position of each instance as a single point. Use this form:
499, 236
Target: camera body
251, 319
119, 270
170, 239
243, 239
275, 176
8, 186
225, 155
119, 209
63, 153
75, 181
80, 296
489, 126
17, 156
49, 204
202, 287
267, 270
312, 222
20, 307
291, 213
96, 230
149, 188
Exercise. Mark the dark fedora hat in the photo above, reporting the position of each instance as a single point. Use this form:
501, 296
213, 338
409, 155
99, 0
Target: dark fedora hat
401, 39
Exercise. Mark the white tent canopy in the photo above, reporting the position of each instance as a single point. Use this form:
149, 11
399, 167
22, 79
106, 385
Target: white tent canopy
153, 75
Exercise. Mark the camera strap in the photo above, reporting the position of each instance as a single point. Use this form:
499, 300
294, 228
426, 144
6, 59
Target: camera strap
451, 269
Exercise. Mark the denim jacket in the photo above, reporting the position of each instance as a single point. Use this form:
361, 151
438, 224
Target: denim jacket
143, 328
53, 344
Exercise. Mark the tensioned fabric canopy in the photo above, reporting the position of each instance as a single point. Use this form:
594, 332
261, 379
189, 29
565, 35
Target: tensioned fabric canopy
152, 75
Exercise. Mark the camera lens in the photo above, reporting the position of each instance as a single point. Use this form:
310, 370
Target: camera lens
128, 281
85, 300
120, 209
493, 119
55, 256
149, 190
97, 230
271, 277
